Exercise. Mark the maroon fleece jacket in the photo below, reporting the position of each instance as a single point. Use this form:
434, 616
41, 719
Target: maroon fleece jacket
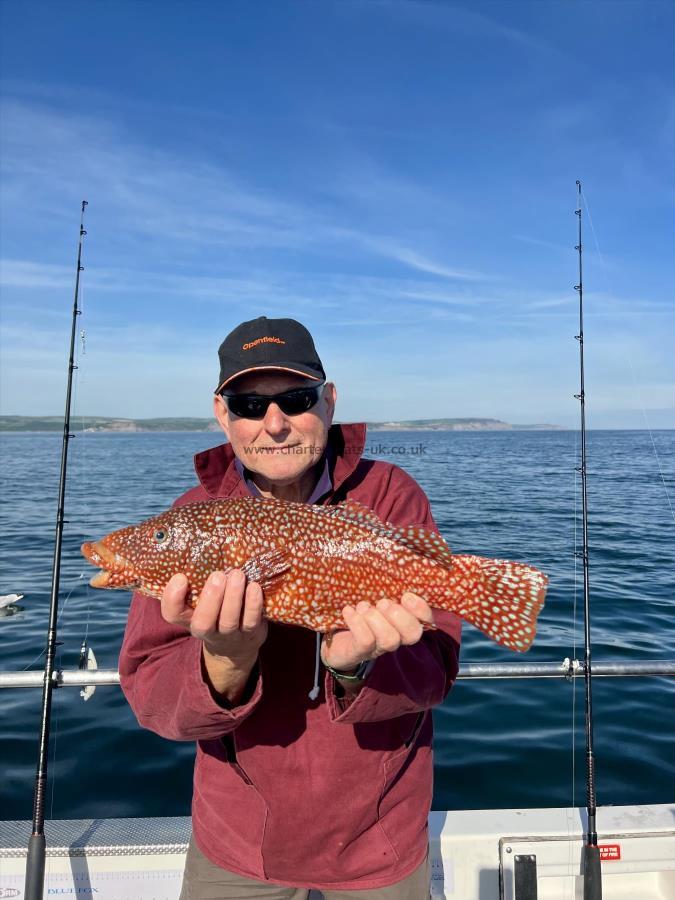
327, 793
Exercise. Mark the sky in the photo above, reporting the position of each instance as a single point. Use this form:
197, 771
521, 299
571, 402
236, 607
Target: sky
399, 175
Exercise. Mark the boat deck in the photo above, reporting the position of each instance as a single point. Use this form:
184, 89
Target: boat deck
476, 855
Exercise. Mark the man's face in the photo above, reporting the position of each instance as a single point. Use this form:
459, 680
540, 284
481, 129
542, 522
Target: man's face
279, 447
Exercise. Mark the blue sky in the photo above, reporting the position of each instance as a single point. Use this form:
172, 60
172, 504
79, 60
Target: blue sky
400, 176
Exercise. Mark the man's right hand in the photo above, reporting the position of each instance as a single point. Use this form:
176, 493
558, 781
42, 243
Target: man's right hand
229, 621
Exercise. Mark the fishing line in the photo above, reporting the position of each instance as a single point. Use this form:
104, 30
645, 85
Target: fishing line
605, 271
572, 679
83, 518
54, 741
575, 597
80, 462
82, 574
79, 578
575, 593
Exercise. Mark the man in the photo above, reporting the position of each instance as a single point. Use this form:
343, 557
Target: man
294, 790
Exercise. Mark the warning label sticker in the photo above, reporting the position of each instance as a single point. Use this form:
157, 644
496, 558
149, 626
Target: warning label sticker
609, 852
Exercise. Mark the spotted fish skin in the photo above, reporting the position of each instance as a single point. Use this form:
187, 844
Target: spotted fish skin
312, 560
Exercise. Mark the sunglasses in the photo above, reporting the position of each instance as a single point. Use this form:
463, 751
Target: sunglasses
291, 403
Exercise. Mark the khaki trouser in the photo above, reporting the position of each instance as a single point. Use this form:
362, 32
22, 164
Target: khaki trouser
205, 881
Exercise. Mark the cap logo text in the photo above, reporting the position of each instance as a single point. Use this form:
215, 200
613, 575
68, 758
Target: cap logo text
262, 340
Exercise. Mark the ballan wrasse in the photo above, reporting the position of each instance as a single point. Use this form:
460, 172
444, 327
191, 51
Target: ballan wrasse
312, 560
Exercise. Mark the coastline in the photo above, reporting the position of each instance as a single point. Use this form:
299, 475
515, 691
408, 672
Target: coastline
111, 425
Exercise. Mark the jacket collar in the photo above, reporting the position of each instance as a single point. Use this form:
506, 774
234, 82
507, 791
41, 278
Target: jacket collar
219, 477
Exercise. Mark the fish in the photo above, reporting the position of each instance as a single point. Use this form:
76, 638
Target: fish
313, 560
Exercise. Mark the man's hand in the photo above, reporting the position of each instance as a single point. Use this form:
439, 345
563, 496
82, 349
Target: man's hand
228, 619
374, 630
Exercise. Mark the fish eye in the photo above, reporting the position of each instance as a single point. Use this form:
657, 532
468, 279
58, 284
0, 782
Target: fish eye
161, 535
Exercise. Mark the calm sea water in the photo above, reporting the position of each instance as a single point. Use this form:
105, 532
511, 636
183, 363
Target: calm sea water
498, 743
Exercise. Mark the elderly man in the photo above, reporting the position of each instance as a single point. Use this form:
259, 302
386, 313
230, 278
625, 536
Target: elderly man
329, 789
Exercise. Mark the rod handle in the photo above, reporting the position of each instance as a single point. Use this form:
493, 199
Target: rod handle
592, 873
35, 867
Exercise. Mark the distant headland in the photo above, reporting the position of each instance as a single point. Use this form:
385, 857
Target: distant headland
126, 426
458, 425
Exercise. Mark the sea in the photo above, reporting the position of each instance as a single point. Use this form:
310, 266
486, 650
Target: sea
498, 743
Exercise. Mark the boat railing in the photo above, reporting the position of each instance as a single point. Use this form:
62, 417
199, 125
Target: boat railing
568, 669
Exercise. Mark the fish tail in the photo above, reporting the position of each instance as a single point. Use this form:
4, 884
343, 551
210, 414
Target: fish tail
501, 598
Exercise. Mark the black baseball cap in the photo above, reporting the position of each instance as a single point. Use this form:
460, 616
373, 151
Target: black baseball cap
262, 343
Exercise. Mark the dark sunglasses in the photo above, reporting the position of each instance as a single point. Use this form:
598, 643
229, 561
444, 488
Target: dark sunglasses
291, 403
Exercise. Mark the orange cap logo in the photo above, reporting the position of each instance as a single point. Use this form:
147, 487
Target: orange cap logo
262, 340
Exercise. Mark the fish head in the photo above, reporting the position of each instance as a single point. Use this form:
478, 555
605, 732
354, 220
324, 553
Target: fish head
145, 556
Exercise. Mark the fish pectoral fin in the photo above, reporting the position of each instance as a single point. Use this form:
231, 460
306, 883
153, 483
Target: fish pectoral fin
268, 569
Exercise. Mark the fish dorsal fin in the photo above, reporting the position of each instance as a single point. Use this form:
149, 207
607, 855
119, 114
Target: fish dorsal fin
425, 542
415, 537
357, 513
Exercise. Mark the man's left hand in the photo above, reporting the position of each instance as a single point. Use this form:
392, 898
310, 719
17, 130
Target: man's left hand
374, 630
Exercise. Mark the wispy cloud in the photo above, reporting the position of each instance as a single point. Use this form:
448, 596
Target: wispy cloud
393, 249
434, 14
187, 205
424, 264
539, 242
551, 302
29, 274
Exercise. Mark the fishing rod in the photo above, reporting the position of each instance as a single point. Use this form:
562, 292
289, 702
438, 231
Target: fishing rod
35, 860
591, 856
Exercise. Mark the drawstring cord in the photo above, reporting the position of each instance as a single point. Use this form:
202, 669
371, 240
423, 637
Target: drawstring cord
314, 693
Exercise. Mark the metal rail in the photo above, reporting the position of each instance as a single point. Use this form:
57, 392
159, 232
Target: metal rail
565, 669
